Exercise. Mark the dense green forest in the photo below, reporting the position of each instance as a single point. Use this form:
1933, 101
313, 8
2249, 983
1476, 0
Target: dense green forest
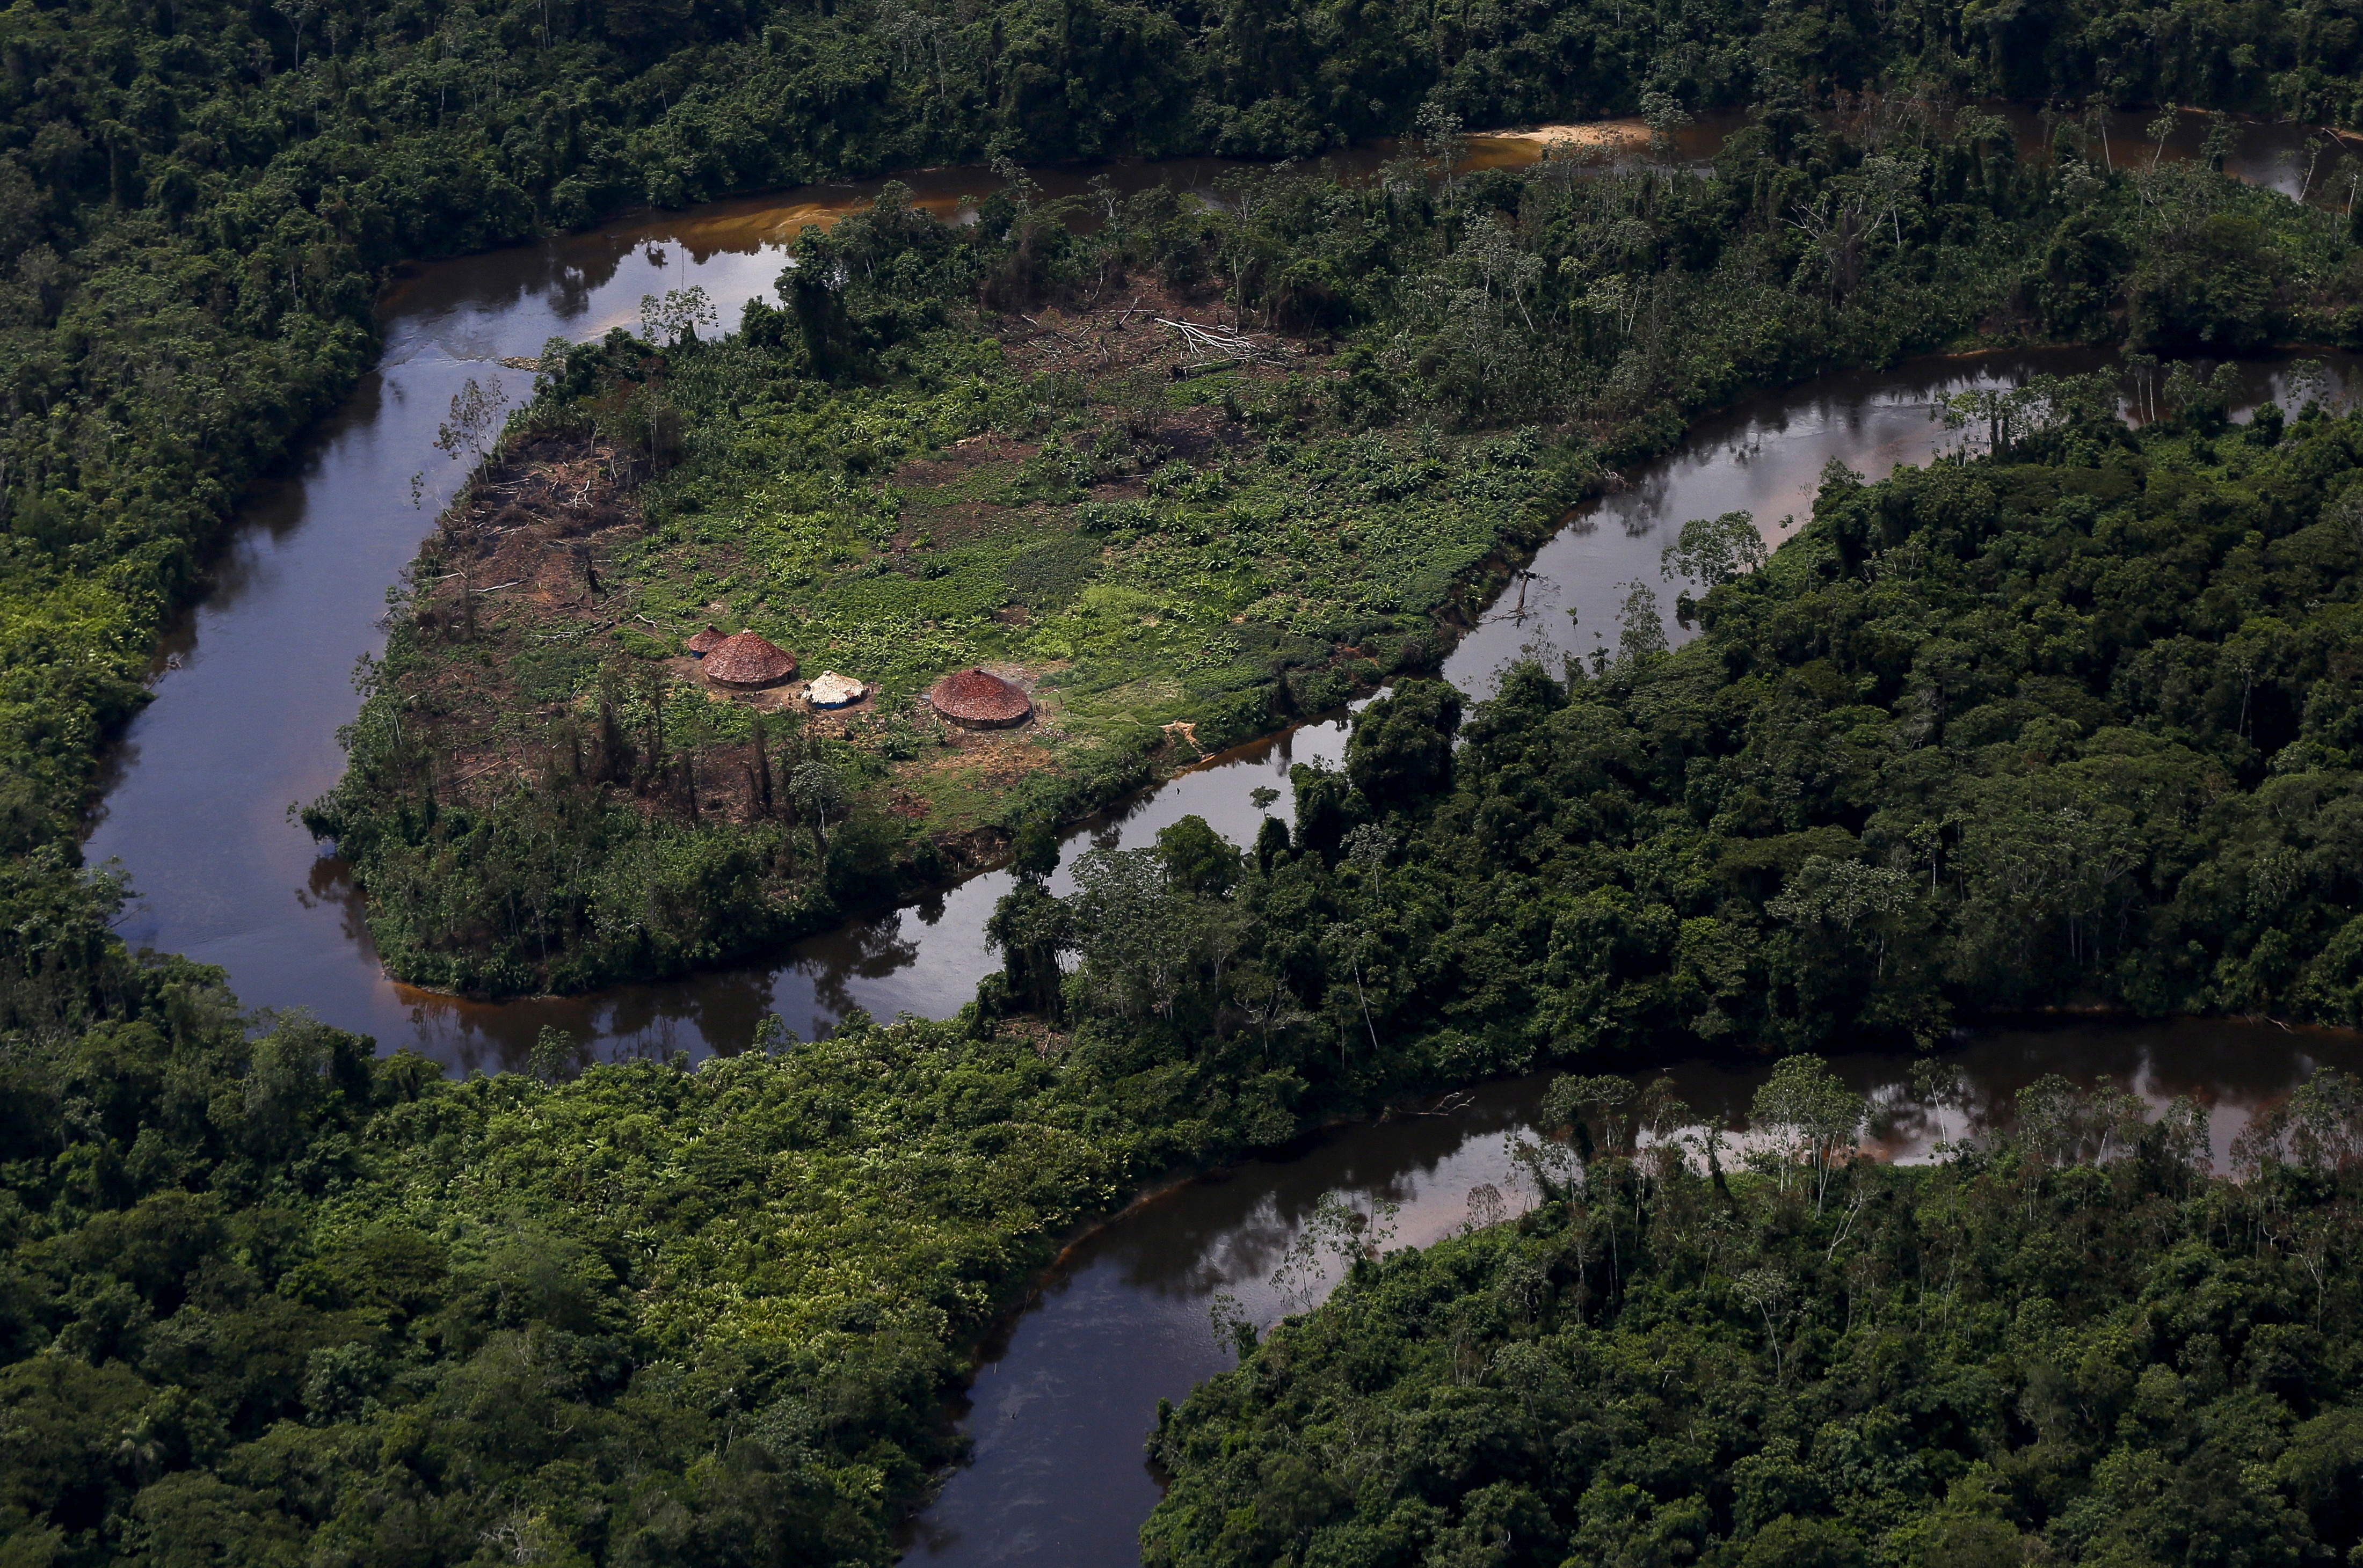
942, 446
2068, 723
267, 1300
2071, 1345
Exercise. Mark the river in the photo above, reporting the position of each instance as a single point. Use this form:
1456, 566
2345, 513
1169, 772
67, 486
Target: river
252, 684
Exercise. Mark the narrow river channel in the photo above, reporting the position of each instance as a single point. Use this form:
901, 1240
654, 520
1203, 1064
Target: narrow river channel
252, 685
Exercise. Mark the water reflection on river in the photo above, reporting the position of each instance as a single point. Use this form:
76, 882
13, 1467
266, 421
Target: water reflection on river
1765, 455
1062, 1404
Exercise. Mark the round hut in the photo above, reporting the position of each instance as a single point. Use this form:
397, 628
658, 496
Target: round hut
980, 700
705, 642
744, 661
835, 690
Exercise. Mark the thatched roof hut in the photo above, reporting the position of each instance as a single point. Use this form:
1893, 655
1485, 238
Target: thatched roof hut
980, 700
835, 690
747, 660
705, 642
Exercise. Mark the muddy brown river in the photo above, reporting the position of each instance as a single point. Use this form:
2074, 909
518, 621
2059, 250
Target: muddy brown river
253, 683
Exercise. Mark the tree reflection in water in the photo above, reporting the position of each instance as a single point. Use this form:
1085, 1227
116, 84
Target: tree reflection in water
870, 949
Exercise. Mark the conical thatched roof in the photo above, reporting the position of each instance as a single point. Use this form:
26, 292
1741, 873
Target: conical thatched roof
744, 659
833, 690
980, 700
705, 642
